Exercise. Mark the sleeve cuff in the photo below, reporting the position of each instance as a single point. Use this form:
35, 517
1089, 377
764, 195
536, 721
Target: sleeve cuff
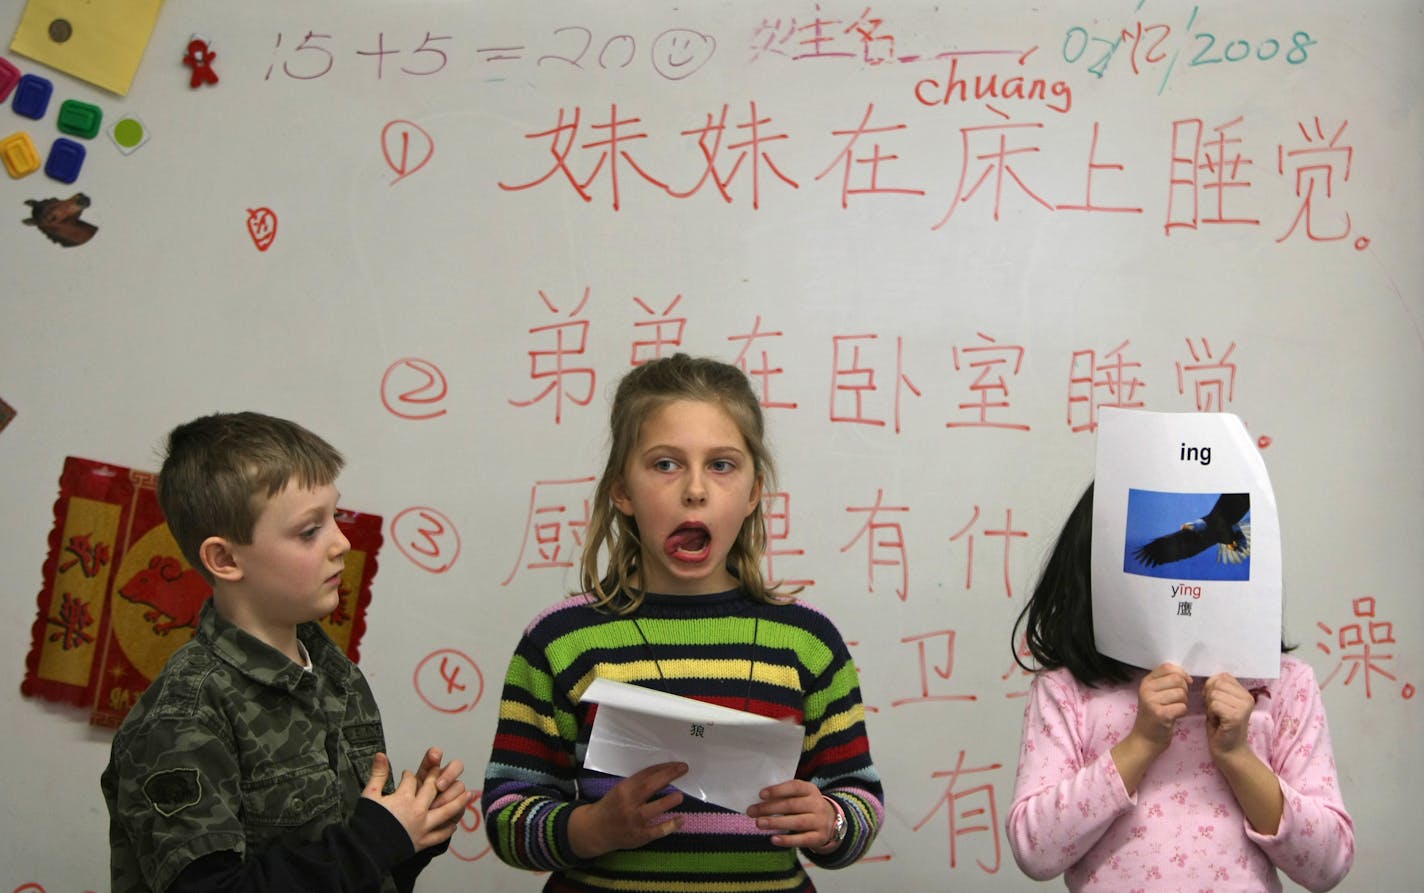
384, 836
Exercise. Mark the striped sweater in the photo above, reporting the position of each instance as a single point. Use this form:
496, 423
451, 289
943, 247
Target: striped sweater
783, 661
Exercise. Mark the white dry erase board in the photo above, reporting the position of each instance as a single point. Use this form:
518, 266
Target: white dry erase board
940, 236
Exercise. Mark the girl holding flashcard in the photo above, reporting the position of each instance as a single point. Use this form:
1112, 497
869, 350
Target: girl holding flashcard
1136, 779
680, 606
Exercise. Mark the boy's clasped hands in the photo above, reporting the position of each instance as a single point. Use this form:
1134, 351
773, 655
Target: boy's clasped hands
428, 803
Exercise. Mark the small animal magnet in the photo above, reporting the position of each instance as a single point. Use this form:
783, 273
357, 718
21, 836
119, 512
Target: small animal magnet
58, 218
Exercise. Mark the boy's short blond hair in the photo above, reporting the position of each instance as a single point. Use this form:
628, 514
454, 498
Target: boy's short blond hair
221, 469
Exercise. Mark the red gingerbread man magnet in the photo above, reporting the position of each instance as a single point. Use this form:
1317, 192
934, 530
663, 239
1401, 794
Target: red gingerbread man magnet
200, 58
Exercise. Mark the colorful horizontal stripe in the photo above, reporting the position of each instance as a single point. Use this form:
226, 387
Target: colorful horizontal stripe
784, 661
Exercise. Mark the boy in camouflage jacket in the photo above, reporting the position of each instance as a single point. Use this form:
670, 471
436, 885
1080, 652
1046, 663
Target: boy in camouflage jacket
255, 760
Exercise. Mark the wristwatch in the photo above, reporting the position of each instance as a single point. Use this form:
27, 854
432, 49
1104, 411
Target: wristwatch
840, 830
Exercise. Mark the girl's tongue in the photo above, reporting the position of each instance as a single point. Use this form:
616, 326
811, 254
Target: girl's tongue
689, 541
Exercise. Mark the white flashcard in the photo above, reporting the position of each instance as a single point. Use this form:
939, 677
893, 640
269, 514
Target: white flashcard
1186, 545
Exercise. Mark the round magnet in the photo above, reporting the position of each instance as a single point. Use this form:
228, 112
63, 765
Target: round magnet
128, 133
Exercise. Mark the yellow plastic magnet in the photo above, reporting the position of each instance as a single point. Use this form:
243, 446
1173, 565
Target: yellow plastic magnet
18, 152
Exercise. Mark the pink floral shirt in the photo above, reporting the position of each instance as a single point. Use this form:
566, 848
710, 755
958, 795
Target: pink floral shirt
1183, 830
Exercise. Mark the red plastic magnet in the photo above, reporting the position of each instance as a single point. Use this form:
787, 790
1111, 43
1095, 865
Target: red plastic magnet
9, 77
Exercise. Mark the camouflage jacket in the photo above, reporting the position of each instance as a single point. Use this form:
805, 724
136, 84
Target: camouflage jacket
234, 748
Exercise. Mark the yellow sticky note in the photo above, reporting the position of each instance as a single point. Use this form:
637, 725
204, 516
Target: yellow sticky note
101, 43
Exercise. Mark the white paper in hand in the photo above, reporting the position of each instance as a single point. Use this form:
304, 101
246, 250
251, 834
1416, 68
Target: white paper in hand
1186, 545
731, 754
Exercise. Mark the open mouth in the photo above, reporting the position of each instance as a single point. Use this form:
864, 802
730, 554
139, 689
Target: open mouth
689, 542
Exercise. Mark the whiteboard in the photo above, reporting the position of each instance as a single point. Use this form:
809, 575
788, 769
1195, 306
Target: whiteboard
485, 213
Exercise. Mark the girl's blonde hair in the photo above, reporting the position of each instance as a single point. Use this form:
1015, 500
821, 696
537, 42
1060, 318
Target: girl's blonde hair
641, 393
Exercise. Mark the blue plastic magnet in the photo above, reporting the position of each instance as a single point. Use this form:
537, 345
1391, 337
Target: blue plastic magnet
9, 77
32, 96
66, 157
79, 119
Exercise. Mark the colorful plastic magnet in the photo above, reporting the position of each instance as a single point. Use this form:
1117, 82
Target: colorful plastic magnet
9, 77
20, 156
32, 96
79, 118
128, 133
66, 157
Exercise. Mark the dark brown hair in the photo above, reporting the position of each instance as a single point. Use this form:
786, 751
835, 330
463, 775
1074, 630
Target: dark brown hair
220, 469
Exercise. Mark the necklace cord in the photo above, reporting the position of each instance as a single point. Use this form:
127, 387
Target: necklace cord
751, 667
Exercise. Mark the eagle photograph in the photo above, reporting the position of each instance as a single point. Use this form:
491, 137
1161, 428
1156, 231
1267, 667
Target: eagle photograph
1188, 536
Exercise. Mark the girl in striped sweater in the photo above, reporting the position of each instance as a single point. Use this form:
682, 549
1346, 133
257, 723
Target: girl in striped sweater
680, 607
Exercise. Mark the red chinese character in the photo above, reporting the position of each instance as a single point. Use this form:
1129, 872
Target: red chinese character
996, 165
990, 388
1213, 380
928, 666
762, 373
1007, 533
753, 152
864, 28
1199, 166
777, 509
552, 365
770, 37
968, 818
89, 557
1365, 638
885, 543
73, 620
562, 136
555, 524
850, 378
818, 35
849, 161
1093, 384
1094, 166
1315, 167
667, 332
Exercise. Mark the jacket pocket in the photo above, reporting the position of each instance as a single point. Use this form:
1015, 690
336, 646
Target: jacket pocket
363, 741
300, 801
